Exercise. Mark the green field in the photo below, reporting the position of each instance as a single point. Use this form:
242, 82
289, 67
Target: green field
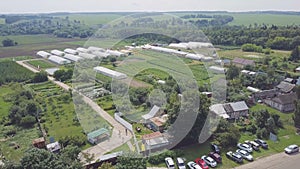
31, 39
2, 21
42, 64
5, 106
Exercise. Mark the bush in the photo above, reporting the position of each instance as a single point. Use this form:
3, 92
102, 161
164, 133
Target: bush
159, 158
252, 48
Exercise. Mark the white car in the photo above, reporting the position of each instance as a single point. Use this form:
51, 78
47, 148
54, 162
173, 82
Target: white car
180, 163
170, 163
193, 165
291, 149
245, 147
209, 161
245, 154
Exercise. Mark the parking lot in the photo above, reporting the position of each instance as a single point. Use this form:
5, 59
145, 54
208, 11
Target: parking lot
276, 161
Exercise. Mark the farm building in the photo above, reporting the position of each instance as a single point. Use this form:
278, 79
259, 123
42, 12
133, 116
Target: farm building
237, 109
153, 112
110, 73
196, 45
71, 51
115, 53
98, 136
239, 62
54, 147
51, 71
39, 143
285, 87
58, 60
217, 69
43, 54
82, 50
101, 54
179, 45
265, 94
87, 55
93, 49
194, 56
154, 141
283, 103
57, 52
72, 57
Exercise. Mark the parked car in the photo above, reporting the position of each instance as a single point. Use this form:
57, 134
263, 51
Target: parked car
193, 165
245, 154
253, 144
291, 149
170, 163
215, 148
245, 147
209, 161
215, 156
234, 157
180, 163
201, 163
262, 143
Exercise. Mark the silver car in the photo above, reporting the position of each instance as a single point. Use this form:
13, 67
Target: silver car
291, 149
245, 154
245, 147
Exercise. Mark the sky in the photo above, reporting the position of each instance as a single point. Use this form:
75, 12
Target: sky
48, 6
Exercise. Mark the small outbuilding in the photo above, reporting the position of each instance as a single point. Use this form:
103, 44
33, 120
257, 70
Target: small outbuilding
153, 112
54, 147
98, 136
39, 143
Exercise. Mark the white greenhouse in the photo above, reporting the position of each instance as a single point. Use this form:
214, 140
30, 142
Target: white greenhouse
217, 69
115, 53
101, 54
71, 51
179, 45
194, 56
87, 56
43, 54
93, 49
82, 50
110, 73
196, 45
58, 60
72, 57
57, 52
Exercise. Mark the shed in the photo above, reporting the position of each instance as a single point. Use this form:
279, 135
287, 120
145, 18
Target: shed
110, 73
39, 143
98, 136
285, 87
154, 140
71, 51
43, 54
54, 147
239, 106
157, 123
219, 110
58, 60
57, 52
72, 57
153, 112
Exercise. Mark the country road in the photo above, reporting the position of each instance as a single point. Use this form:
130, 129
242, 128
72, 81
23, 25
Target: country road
119, 135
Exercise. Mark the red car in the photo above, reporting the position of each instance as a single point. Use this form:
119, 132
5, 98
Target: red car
202, 163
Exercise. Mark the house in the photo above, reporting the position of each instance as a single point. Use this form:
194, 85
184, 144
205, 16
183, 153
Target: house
53, 147
236, 110
98, 136
285, 87
154, 140
264, 94
239, 62
283, 103
39, 143
157, 123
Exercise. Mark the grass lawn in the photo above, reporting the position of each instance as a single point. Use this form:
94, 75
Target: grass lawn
5, 106
23, 138
42, 64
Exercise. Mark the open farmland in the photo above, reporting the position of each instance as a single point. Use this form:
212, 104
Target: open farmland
42, 64
94, 19
12, 72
